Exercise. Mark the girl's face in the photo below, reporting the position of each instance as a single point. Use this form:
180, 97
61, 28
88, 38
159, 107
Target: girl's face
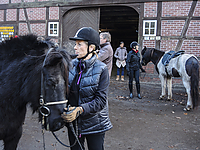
80, 48
137, 47
122, 45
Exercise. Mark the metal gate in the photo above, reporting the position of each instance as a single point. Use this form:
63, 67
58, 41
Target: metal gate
75, 19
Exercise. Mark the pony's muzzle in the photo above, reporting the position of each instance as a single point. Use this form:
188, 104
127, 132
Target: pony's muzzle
45, 111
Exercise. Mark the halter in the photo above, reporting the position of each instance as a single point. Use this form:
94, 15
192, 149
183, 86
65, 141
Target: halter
44, 110
152, 53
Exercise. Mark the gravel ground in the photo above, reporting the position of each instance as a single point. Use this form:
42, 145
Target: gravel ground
138, 124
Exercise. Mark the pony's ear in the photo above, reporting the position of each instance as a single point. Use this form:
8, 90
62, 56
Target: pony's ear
53, 59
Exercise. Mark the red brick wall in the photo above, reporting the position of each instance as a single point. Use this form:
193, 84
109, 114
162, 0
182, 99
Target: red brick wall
38, 29
191, 47
11, 14
16, 1
23, 29
36, 13
4, 1
172, 27
53, 13
168, 45
197, 9
149, 43
150, 9
194, 28
1, 15
176, 8
21, 15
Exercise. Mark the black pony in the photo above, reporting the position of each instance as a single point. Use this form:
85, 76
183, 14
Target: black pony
28, 75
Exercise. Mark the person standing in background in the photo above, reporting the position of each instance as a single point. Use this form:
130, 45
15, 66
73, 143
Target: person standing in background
132, 66
121, 55
106, 51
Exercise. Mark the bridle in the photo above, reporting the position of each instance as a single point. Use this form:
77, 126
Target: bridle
152, 53
45, 111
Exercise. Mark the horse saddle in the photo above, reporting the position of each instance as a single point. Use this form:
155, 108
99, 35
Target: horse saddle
171, 54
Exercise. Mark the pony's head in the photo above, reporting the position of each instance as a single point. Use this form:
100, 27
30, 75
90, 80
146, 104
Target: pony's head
146, 56
54, 87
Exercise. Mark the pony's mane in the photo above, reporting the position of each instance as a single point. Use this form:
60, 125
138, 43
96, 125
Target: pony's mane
149, 48
20, 47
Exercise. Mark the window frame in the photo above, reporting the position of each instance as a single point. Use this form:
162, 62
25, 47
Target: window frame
155, 27
49, 28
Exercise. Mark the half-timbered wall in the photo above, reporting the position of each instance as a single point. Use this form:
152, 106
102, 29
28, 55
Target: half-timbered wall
179, 28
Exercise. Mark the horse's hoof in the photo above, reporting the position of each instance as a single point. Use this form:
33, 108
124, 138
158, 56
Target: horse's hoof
161, 98
169, 99
187, 109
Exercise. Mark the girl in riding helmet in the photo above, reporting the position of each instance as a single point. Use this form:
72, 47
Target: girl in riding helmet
88, 84
132, 66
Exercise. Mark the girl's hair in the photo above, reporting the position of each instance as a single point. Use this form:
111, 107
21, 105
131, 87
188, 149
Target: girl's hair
106, 35
94, 52
121, 42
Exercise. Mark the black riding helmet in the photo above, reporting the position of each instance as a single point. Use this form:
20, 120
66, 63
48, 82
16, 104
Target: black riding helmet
133, 45
87, 34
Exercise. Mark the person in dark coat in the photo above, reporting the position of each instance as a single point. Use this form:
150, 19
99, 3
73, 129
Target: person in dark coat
132, 66
88, 84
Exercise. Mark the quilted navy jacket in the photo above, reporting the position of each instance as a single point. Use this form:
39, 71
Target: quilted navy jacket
92, 96
133, 61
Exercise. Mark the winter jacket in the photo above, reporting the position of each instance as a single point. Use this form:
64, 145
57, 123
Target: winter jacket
106, 55
133, 61
92, 96
121, 53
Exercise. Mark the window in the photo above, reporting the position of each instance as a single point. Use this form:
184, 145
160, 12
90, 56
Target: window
149, 27
53, 29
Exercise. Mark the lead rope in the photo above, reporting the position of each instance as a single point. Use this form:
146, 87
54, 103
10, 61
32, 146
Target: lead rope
43, 132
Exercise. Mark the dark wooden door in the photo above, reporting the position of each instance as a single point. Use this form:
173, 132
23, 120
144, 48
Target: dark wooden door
74, 20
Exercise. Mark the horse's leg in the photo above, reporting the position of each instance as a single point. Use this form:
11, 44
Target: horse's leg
163, 86
10, 143
186, 84
169, 85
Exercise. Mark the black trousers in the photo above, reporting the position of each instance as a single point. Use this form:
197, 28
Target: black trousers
94, 141
134, 74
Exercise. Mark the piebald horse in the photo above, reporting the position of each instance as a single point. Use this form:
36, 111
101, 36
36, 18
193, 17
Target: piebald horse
185, 66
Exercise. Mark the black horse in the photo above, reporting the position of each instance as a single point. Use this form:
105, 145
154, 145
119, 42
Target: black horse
28, 75
185, 66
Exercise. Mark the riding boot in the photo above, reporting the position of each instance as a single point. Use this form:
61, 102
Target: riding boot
131, 90
138, 91
117, 78
122, 78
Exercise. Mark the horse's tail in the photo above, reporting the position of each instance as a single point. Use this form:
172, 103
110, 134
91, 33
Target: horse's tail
194, 82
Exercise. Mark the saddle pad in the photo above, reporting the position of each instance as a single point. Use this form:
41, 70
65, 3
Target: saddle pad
167, 56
